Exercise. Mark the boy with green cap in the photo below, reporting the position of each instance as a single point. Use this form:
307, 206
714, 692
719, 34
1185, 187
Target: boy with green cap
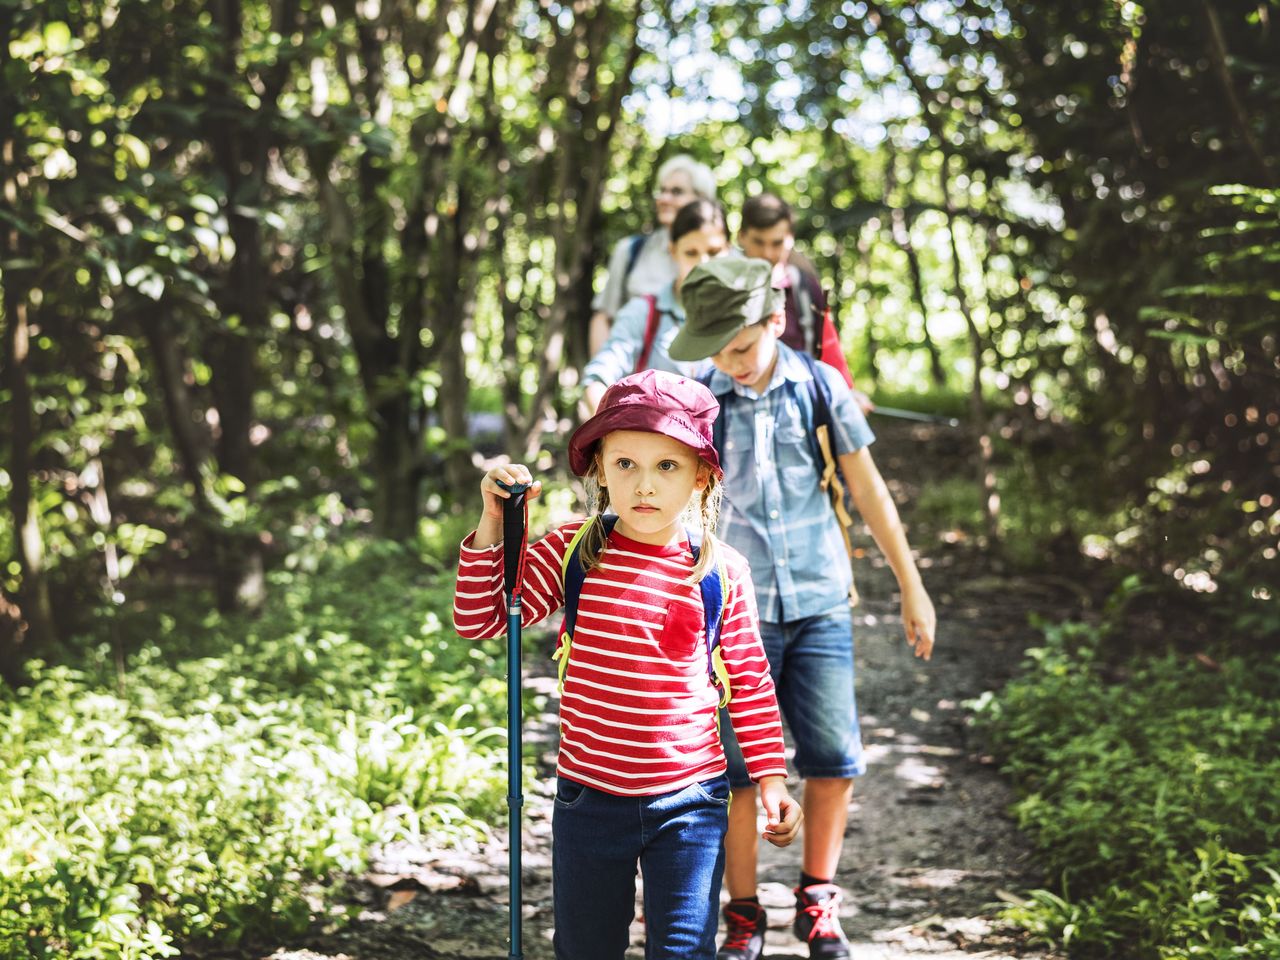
777, 513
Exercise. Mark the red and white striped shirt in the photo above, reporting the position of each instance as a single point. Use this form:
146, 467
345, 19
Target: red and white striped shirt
638, 711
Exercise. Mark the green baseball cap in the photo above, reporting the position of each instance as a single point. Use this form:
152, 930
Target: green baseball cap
720, 297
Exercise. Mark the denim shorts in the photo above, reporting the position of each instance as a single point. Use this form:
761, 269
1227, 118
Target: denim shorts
811, 661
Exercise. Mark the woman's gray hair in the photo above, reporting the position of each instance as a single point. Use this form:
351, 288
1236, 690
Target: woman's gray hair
700, 175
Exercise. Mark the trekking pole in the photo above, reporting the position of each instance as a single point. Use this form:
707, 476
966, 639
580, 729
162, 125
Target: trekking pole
915, 415
514, 531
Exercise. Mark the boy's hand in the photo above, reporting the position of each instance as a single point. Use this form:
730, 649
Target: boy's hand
782, 813
494, 495
919, 622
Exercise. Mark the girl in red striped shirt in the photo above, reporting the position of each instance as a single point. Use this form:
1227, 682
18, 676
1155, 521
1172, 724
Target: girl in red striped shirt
641, 774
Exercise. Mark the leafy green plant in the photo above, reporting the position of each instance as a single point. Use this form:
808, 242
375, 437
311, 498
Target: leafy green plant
244, 762
1151, 799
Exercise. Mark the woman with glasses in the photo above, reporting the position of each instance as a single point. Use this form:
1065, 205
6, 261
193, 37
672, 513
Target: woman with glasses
646, 324
642, 264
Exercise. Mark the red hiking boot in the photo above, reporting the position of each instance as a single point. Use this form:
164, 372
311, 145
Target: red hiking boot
818, 921
746, 923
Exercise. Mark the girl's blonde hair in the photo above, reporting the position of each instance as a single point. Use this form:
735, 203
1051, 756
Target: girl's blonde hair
703, 509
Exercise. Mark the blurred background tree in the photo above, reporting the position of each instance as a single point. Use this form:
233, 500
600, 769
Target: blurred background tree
274, 268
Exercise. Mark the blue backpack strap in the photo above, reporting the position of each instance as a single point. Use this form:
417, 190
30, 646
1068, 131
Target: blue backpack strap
818, 393
633, 254
714, 588
717, 426
571, 567
573, 576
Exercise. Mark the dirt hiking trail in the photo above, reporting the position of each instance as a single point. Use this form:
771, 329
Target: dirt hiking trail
930, 849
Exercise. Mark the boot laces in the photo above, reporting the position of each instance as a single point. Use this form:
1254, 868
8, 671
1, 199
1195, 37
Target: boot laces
739, 929
826, 923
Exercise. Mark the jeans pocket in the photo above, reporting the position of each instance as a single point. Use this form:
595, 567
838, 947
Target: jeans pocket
569, 793
715, 790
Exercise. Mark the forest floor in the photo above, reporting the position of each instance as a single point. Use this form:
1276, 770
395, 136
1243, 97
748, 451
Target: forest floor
930, 852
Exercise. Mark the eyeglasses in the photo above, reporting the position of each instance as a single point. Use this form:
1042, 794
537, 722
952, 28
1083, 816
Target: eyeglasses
676, 192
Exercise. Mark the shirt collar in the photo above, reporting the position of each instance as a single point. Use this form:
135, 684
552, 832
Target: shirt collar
789, 367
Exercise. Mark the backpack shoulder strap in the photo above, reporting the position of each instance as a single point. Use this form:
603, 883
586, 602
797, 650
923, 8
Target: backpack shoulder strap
717, 425
650, 333
572, 575
633, 254
571, 572
818, 392
823, 437
804, 309
714, 587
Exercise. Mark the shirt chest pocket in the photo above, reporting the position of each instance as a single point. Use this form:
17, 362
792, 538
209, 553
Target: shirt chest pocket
794, 446
678, 636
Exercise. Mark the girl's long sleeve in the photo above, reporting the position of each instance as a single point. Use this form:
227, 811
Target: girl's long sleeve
479, 612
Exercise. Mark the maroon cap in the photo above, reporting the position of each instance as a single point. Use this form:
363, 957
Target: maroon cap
653, 401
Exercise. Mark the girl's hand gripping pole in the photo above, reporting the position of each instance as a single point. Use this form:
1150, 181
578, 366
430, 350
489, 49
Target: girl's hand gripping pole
514, 541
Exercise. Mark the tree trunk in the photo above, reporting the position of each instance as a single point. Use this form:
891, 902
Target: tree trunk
33, 596
866, 239
580, 179
13, 631
1219, 56
902, 236
900, 229
900, 48
241, 156
34, 600
977, 404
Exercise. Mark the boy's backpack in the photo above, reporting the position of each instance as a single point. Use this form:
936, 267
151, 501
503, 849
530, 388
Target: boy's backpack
815, 405
713, 585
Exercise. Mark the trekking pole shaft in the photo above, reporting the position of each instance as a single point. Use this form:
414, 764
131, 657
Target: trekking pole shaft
515, 788
513, 531
914, 415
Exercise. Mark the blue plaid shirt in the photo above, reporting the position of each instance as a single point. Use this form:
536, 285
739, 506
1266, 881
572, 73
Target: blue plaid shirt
775, 513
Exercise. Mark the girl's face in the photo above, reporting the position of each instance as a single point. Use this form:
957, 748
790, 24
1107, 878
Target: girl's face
750, 356
675, 190
651, 479
698, 246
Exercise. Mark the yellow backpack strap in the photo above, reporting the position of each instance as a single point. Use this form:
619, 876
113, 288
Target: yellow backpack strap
572, 551
832, 484
561, 656
718, 669
571, 576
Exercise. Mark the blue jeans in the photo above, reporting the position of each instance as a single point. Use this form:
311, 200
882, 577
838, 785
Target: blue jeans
677, 839
811, 661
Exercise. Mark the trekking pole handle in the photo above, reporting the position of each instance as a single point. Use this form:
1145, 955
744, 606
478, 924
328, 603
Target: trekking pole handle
513, 523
